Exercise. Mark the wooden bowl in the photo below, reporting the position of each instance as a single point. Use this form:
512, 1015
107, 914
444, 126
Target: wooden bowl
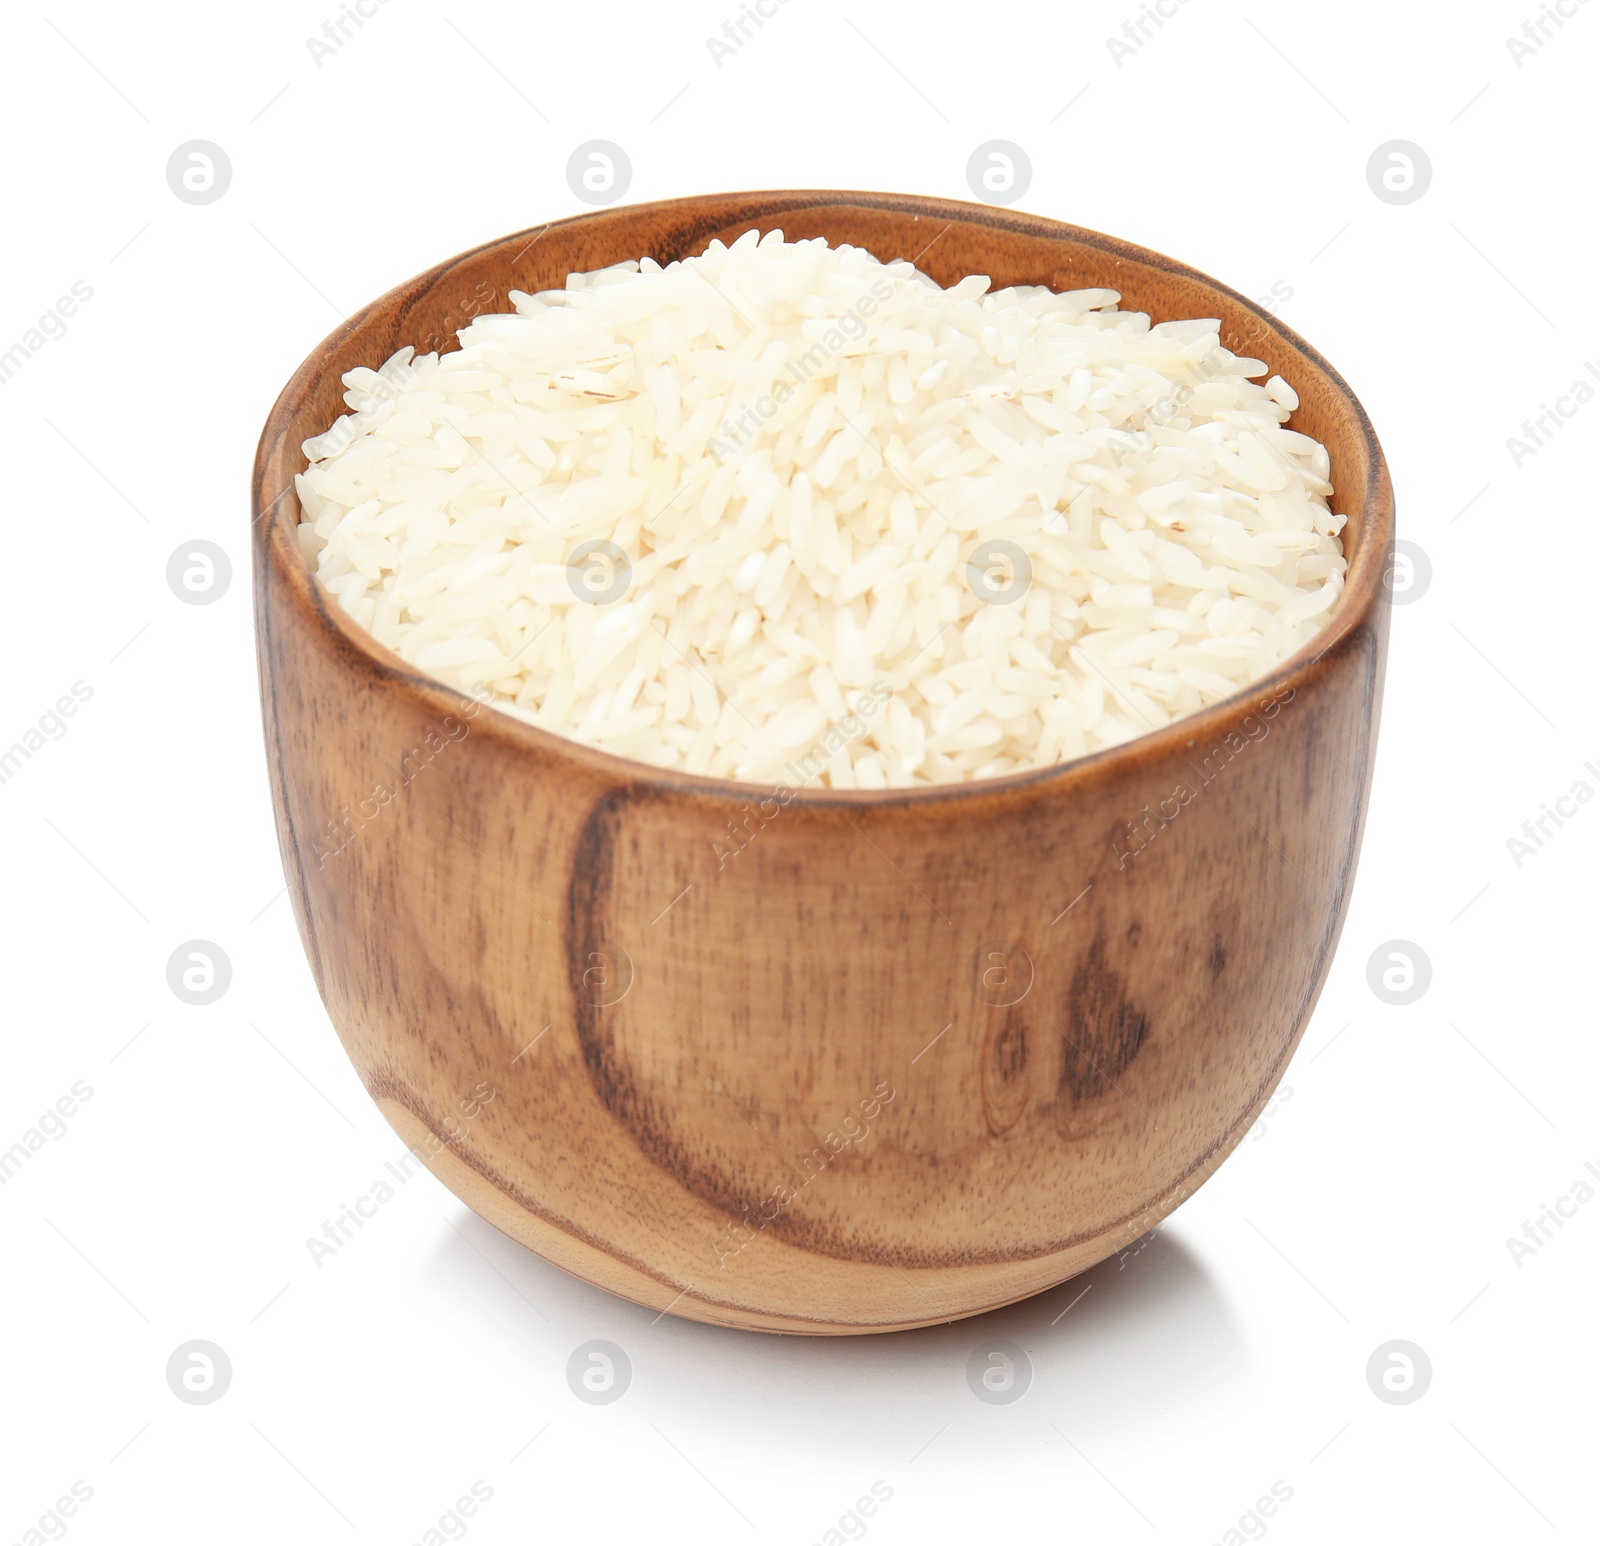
911, 1054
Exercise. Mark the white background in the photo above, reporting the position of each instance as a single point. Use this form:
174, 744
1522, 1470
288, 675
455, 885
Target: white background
1230, 1352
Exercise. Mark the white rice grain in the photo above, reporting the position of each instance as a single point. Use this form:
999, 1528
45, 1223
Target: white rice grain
793, 452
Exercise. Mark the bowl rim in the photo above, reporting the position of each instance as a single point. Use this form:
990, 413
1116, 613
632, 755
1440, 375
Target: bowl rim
276, 544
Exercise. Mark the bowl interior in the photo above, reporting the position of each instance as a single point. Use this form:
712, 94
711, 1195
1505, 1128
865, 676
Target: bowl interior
947, 240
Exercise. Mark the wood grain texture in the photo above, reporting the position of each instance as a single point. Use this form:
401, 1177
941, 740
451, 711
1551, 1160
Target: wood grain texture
911, 1054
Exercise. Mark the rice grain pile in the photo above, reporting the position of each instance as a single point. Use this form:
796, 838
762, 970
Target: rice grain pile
786, 512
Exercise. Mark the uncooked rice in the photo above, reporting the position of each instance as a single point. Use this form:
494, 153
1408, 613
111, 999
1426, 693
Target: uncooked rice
817, 472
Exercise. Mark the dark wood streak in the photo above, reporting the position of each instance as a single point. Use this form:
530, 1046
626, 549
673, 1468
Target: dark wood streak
734, 1311
1104, 1029
591, 921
